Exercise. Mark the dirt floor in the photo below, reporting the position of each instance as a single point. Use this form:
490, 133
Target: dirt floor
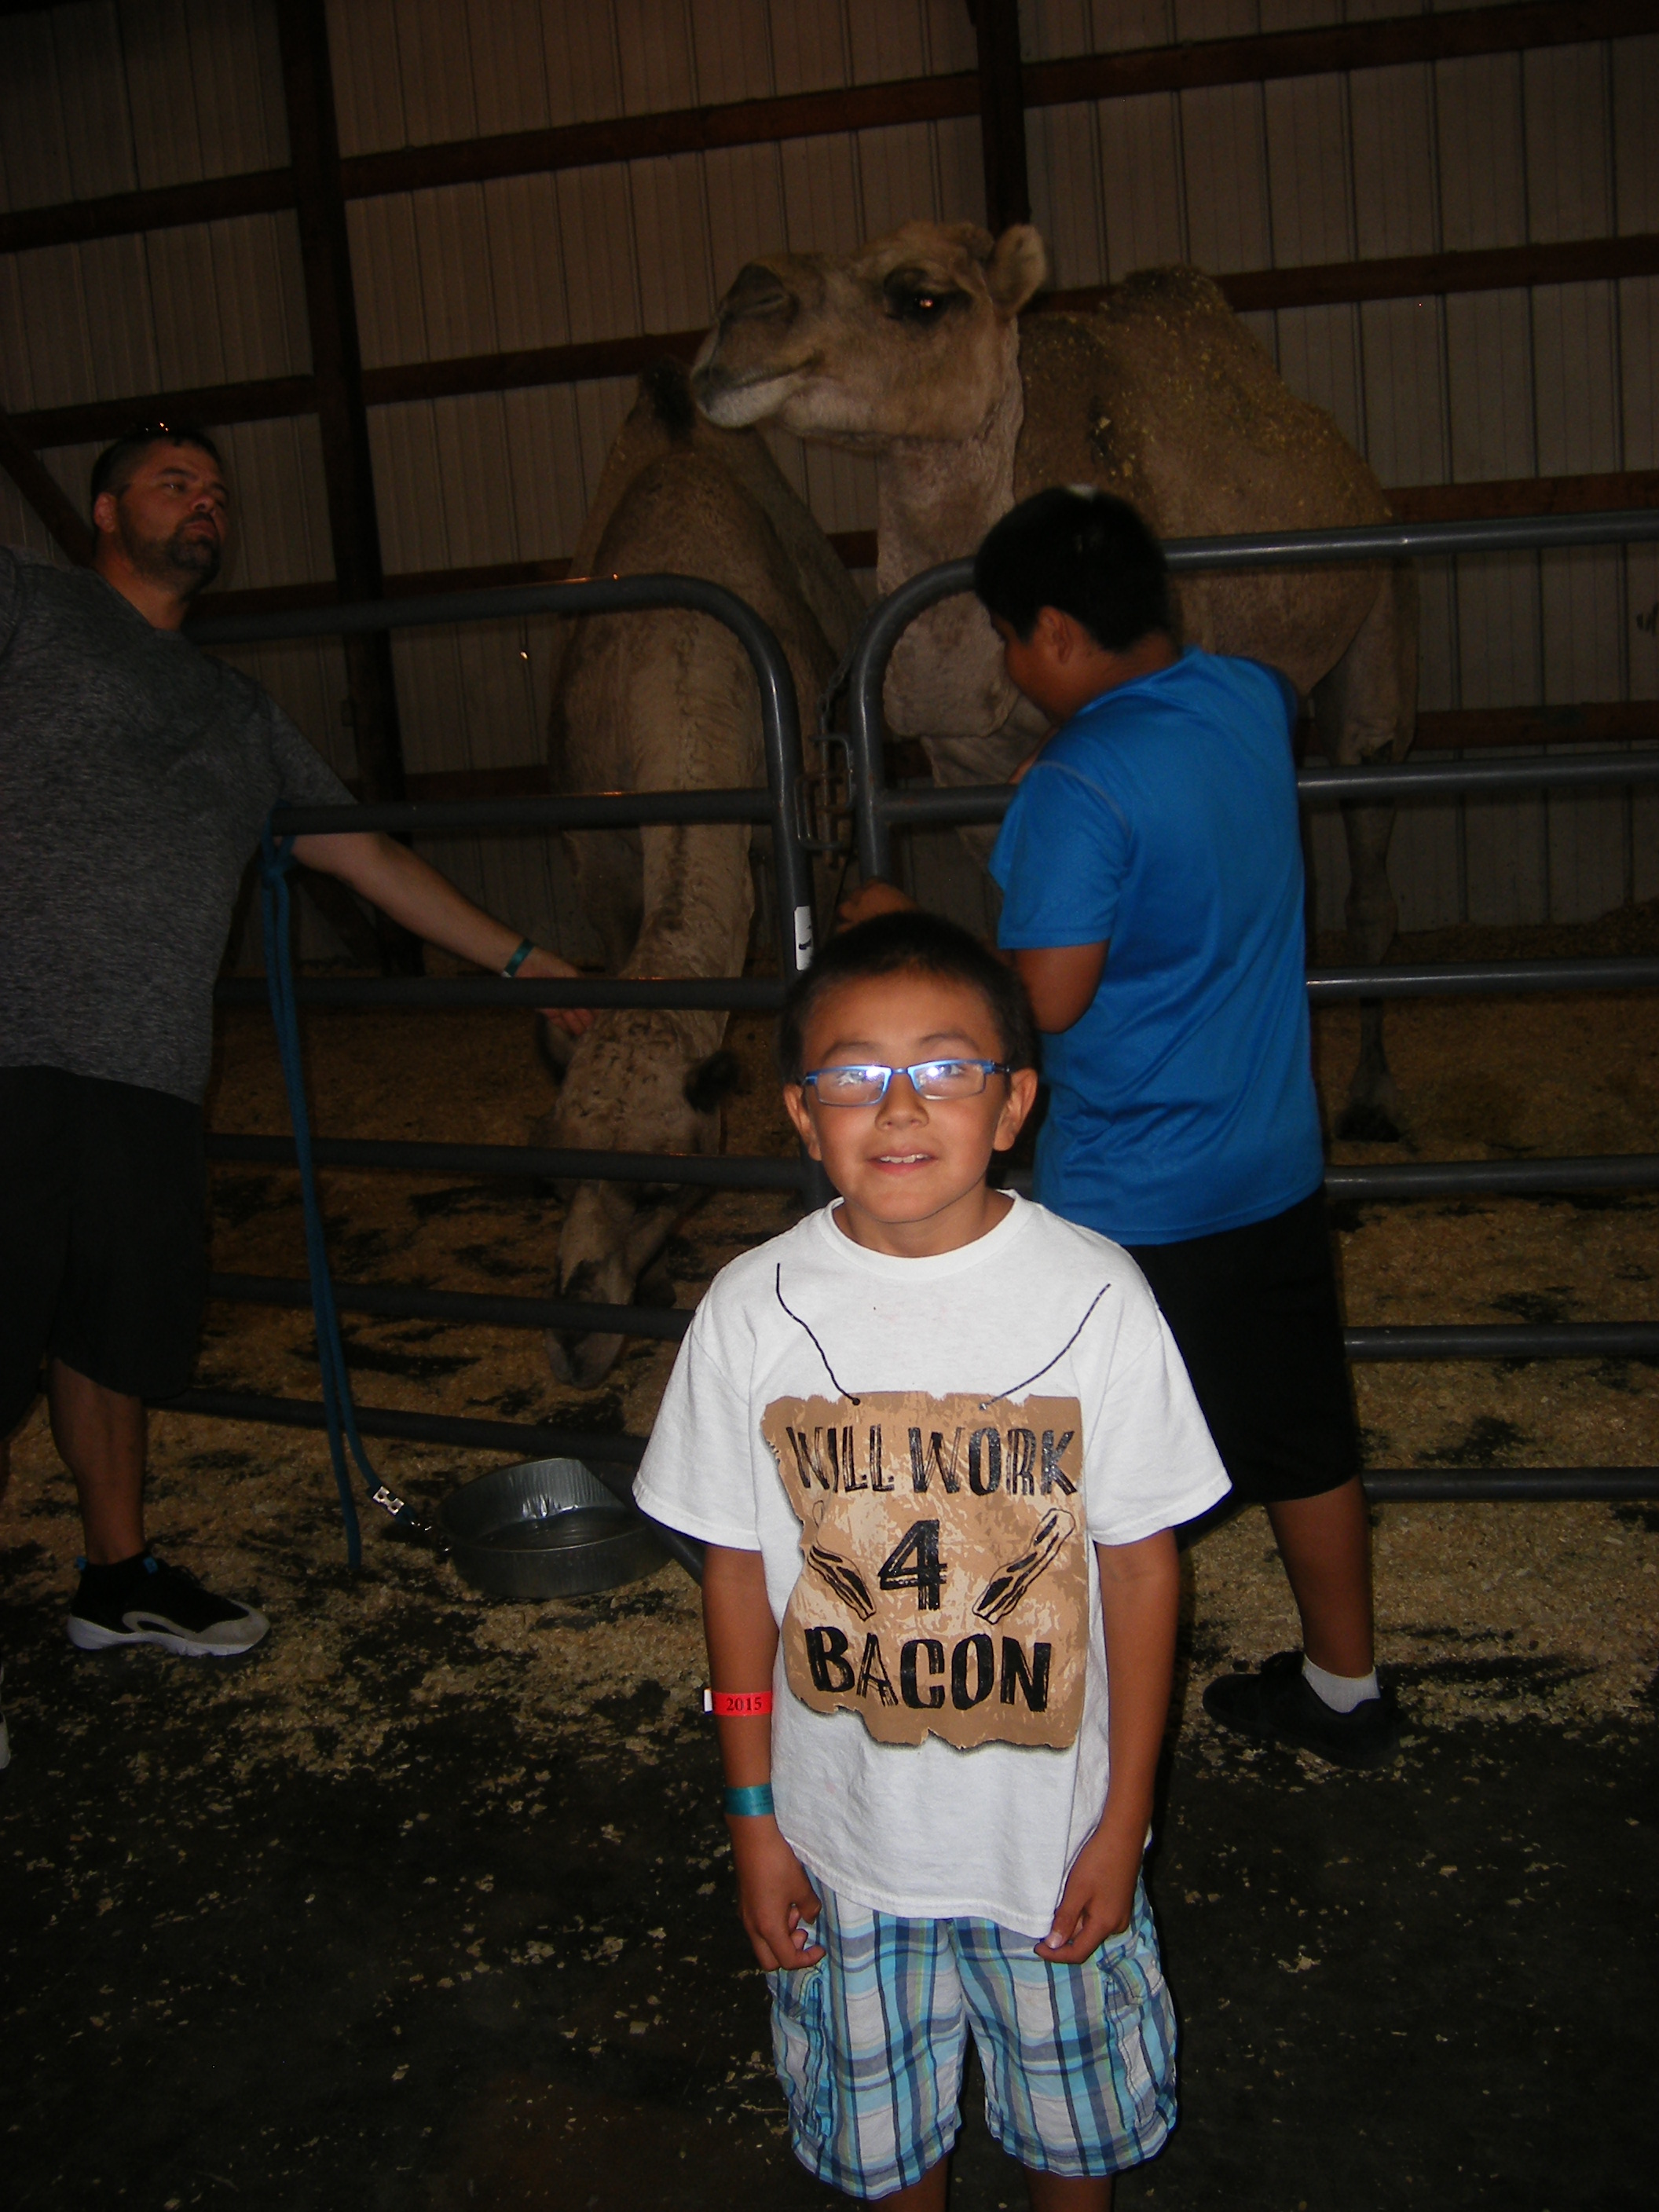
426, 1905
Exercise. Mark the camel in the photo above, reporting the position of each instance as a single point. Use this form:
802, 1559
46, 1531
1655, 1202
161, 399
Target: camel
911, 350
661, 701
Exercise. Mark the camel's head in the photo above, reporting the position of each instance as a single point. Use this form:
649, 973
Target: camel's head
628, 1088
612, 1232
911, 336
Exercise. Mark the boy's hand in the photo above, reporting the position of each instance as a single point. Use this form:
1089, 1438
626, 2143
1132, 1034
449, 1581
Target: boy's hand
869, 900
1097, 1901
774, 1897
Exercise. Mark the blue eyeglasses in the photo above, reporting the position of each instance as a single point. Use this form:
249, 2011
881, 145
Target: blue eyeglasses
937, 1080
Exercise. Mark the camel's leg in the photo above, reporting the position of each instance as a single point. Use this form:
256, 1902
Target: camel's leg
604, 868
1366, 710
628, 1086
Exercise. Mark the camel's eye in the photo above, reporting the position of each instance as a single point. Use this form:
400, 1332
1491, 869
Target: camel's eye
913, 301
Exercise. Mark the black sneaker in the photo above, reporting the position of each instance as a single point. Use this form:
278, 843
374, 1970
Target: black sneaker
1279, 1705
146, 1600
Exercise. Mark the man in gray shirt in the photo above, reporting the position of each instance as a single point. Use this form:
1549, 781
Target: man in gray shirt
136, 774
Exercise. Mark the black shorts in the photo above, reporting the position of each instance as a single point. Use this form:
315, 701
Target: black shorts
103, 1210
1255, 1312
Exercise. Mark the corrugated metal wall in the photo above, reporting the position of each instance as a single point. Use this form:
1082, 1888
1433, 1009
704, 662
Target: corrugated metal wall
100, 99
1499, 150
1555, 145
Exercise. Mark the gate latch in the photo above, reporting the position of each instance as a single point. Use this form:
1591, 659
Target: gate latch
823, 796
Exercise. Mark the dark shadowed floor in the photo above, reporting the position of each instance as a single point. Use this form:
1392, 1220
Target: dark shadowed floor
398, 1988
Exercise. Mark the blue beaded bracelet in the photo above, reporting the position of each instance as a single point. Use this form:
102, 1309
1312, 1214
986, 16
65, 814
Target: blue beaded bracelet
756, 1797
527, 947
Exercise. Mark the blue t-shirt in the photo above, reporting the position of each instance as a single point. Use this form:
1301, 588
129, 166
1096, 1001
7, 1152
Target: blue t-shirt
1163, 817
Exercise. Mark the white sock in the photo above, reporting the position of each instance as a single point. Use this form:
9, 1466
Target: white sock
1341, 1693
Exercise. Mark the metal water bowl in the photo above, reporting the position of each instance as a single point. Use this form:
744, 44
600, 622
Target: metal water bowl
544, 1528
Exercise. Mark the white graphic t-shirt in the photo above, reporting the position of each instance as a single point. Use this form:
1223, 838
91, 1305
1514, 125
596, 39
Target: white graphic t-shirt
925, 1453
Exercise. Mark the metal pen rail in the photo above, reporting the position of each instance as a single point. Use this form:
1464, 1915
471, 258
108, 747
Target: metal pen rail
748, 995
1605, 1171
951, 806
776, 807
592, 595
1609, 1171
758, 994
595, 809
401, 1302
1541, 1486
879, 809
1424, 1179
706, 1171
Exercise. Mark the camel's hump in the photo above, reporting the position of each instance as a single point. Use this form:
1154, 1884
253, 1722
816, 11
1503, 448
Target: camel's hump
1162, 394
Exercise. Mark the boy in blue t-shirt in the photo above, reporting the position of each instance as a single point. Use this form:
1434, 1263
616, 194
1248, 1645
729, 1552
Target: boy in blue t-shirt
1150, 866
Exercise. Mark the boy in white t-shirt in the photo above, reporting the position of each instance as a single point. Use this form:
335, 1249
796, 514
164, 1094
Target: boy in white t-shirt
936, 1439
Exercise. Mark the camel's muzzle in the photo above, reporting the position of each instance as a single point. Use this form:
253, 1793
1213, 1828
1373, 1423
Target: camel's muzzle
580, 1361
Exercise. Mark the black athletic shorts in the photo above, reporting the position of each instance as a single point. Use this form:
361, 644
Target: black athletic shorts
103, 1210
1255, 1312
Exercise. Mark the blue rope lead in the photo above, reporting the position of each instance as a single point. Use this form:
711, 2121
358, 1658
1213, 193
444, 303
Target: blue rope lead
276, 859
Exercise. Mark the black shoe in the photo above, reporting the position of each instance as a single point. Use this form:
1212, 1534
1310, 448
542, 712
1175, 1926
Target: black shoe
145, 1601
1279, 1705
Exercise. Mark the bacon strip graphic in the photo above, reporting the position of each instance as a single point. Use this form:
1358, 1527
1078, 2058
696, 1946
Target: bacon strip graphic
1009, 1584
843, 1579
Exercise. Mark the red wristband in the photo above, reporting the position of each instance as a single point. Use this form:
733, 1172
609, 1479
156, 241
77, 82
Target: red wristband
740, 1704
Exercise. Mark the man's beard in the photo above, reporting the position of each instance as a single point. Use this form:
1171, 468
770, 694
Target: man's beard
188, 564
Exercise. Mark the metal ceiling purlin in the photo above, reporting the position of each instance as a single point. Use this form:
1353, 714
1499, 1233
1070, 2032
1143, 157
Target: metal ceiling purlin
41, 490
813, 216
380, 160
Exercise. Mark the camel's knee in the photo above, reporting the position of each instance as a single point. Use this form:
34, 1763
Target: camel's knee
1371, 910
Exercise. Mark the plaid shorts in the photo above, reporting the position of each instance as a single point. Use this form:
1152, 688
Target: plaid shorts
869, 2044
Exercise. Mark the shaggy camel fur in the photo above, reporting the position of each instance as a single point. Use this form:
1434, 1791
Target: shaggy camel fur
665, 701
911, 350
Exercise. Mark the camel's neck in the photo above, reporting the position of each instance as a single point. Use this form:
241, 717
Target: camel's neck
937, 498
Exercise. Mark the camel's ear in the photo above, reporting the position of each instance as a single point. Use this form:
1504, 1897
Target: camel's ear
1017, 267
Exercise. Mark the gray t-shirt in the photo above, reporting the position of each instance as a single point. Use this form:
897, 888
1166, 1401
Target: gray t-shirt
135, 775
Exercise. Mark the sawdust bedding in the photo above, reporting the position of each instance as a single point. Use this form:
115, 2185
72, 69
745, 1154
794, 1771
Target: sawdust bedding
1513, 1610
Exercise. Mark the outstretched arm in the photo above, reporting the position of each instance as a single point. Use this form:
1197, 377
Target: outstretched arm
401, 884
1140, 1594
1060, 980
774, 1896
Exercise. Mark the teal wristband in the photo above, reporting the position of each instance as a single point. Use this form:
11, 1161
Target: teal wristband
527, 947
755, 1798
